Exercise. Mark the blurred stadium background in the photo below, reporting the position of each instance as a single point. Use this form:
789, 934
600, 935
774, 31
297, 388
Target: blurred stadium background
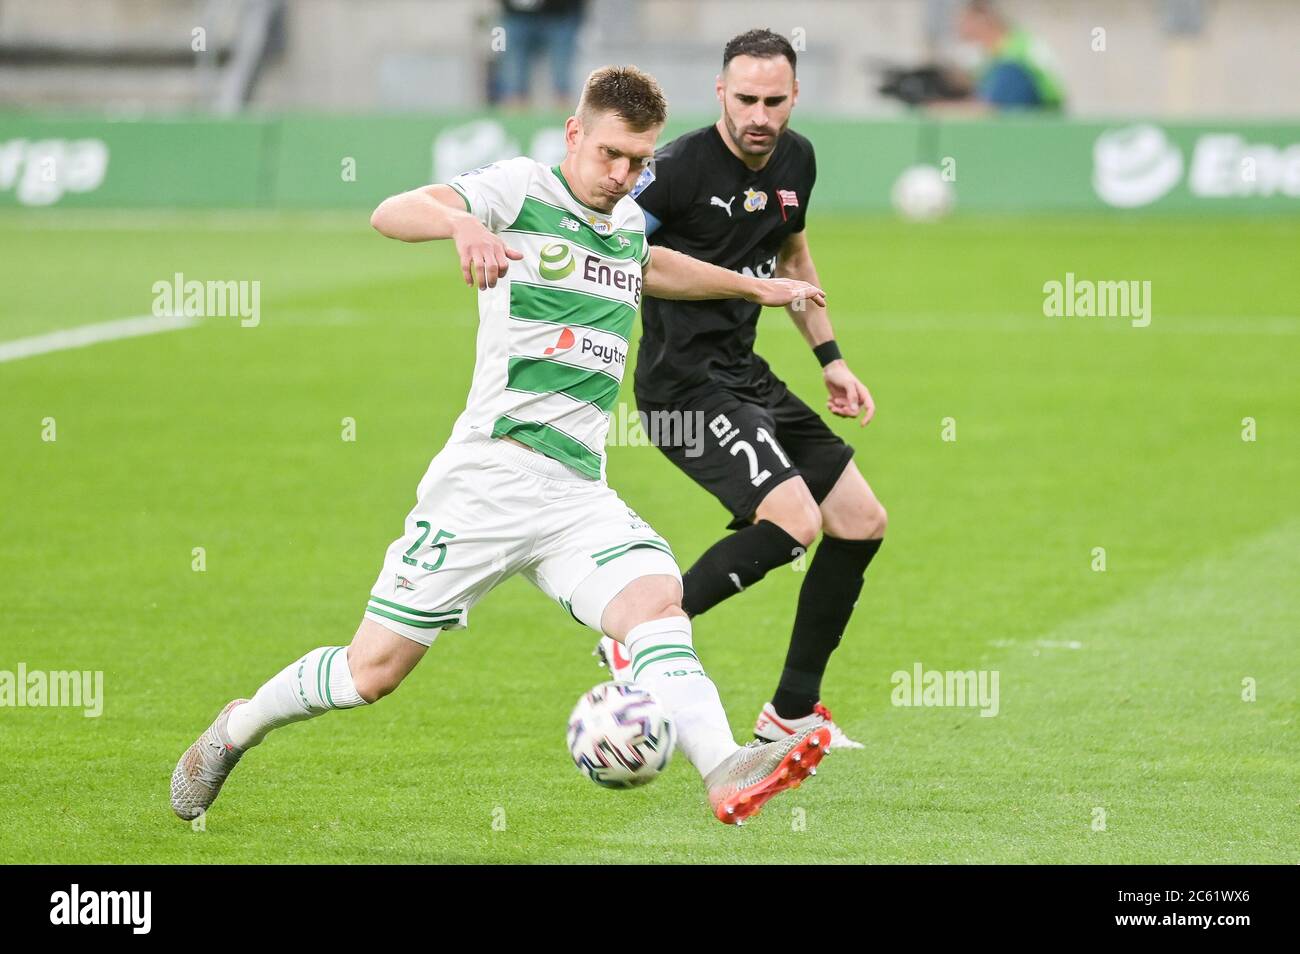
185, 511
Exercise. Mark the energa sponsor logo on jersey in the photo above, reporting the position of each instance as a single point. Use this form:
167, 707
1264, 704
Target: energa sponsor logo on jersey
558, 260
1138, 165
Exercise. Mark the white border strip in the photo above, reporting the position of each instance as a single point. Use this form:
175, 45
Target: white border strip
92, 334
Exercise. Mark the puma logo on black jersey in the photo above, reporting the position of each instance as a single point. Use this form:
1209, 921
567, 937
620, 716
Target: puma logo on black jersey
723, 205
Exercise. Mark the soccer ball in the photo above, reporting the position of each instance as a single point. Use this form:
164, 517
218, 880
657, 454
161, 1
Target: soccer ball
922, 194
620, 736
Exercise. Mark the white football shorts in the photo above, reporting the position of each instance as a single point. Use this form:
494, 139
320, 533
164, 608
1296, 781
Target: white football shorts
487, 509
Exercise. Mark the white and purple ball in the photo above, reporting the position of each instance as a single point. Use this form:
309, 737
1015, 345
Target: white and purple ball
620, 736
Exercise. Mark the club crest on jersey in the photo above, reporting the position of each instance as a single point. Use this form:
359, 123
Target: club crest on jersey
789, 199
755, 201
556, 262
562, 343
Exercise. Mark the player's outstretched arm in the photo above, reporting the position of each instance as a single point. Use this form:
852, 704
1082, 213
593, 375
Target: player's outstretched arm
682, 278
848, 396
438, 212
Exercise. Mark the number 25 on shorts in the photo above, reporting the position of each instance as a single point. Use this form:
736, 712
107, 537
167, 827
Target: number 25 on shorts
426, 528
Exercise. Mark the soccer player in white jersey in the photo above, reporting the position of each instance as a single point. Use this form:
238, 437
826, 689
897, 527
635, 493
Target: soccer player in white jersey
560, 259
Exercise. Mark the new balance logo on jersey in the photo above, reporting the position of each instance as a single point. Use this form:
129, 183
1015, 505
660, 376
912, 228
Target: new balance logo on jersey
562, 343
714, 200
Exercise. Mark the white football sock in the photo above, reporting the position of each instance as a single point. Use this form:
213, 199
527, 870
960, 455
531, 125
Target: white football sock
664, 661
315, 684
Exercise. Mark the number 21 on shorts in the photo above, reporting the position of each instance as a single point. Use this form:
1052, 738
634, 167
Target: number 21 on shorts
756, 476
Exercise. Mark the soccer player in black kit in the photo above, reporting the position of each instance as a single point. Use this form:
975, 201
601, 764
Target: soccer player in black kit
736, 194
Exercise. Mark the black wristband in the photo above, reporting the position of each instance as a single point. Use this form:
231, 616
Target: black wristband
827, 352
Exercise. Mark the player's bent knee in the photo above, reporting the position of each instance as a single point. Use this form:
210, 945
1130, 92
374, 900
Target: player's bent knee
866, 522
877, 521
379, 659
792, 508
641, 585
646, 598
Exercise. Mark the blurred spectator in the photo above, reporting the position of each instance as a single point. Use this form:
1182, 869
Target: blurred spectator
1017, 72
533, 28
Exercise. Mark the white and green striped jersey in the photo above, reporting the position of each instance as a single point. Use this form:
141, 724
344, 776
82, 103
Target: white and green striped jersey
553, 334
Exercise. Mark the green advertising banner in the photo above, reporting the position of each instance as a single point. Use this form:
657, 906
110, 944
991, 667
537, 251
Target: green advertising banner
75, 163
992, 165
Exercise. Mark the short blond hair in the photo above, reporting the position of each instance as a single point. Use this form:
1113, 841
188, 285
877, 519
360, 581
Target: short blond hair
631, 94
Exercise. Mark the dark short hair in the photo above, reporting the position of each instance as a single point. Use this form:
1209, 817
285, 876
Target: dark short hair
760, 43
632, 95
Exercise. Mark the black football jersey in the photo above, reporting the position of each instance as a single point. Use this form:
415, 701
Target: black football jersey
713, 207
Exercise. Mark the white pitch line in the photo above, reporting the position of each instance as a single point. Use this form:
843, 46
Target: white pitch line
85, 335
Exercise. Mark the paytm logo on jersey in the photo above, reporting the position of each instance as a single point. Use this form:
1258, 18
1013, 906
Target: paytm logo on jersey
608, 353
605, 353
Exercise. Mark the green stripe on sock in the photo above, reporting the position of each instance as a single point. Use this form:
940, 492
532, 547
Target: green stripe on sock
320, 671
329, 664
659, 647
656, 659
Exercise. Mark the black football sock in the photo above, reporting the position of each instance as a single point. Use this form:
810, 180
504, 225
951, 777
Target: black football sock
734, 563
826, 602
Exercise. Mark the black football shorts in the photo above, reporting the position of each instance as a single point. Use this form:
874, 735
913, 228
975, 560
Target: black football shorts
738, 450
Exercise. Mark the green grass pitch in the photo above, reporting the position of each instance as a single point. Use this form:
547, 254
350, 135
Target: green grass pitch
1120, 690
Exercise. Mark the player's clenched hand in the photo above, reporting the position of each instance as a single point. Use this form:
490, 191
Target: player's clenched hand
848, 395
775, 292
484, 257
